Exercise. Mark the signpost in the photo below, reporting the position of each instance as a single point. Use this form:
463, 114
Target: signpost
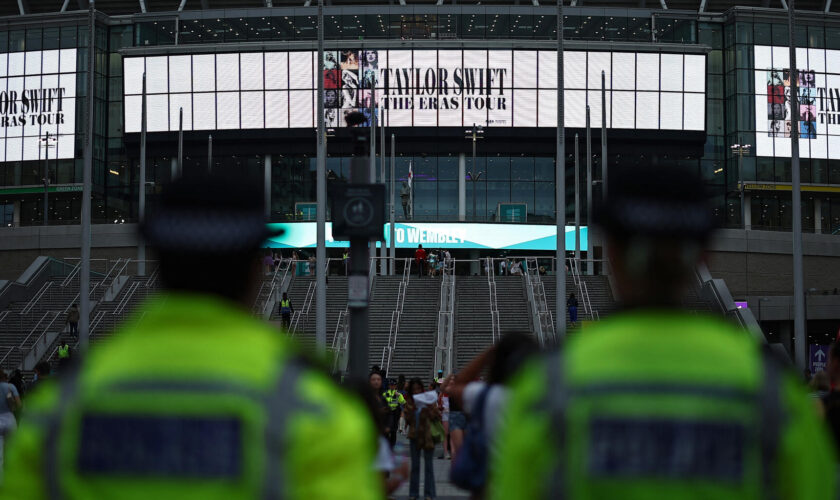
817, 357
358, 215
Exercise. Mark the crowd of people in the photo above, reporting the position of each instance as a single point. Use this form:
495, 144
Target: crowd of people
199, 399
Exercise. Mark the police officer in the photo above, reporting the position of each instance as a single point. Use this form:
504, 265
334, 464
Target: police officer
196, 399
656, 402
395, 402
286, 310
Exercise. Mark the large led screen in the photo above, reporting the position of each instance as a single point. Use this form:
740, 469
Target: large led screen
37, 96
819, 102
439, 235
420, 88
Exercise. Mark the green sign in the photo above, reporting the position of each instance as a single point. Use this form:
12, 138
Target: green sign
512, 212
64, 188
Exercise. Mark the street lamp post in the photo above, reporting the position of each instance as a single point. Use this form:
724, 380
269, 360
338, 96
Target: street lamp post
740, 150
46, 145
475, 133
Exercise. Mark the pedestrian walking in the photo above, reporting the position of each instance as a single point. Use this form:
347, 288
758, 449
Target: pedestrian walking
420, 259
286, 310
502, 267
9, 403
396, 402
421, 414
73, 320
572, 305
614, 415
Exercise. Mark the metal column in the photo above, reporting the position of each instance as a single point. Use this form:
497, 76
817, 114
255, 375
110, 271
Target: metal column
604, 162
393, 234
321, 198
141, 188
800, 338
180, 171
267, 187
87, 177
560, 191
462, 187
588, 191
577, 200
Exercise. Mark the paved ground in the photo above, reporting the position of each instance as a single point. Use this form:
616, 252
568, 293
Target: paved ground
445, 490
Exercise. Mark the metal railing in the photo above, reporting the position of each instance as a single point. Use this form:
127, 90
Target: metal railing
35, 298
396, 316
268, 289
541, 317
49, 316
495, 325
72, 274
303, 312
126, 298
583, 289
446, 321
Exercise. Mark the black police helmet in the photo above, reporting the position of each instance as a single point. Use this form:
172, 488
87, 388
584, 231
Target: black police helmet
213, 214
659, 202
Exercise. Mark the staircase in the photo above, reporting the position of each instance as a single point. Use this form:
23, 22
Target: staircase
415, 348
514, 314
336, 302
382, 304
473, 327
600, 296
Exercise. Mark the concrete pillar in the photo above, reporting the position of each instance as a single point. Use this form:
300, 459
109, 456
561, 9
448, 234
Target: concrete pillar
747, 211
173, 169
475, 266
462, 186
16, 215
817, 215
786, 336
267, 186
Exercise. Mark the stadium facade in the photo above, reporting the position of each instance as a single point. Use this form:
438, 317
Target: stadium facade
682, 87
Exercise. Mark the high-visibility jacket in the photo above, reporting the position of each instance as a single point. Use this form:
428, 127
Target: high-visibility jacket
196, 400
63, 351
394, 399
285, 306
655, 404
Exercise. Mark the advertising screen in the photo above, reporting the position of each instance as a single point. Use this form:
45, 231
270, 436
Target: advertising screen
416, 88
37, 95
819, 102
440, 235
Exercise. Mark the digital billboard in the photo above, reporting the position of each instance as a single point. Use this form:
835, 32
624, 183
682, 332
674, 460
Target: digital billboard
819, 102
439, 235
416, 88
37, 95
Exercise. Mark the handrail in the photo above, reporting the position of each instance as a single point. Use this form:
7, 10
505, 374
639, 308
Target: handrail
304, 311
34, 300
153, 278
72, 274
495, 326
396, 317
55, 316
446, 322
126, 298
3, 315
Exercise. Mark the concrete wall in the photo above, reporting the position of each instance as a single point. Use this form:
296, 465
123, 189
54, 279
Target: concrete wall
19, 246
760, 263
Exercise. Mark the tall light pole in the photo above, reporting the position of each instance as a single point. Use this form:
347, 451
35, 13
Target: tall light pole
740, 150
141, 189
800, 344
393, 200
321, 199
475, 133
47, 145
577, 201
560, 186
588, 191
87, 178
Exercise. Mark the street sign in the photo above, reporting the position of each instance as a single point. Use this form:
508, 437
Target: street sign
817, 357
358, 211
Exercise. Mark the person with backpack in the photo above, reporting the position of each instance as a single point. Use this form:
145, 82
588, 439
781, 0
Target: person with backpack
572, 304
484, 402
421, 415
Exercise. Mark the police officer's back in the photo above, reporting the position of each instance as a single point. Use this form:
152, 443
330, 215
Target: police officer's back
656, 402
196, 399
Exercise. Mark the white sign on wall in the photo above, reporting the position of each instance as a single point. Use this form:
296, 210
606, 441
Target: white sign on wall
819, 102
37, 95
421, 88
